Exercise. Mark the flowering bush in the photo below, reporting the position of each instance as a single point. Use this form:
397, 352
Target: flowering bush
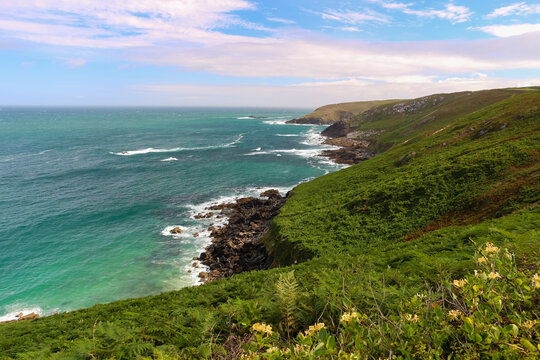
492, 313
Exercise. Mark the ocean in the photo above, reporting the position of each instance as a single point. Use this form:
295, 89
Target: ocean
88, 195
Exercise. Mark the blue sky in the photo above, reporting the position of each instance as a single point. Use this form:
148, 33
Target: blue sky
260, 53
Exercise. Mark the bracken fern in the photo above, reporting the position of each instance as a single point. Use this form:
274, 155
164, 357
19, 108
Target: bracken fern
287, 297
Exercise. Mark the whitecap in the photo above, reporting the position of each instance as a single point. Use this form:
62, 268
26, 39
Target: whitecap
258, 153
258, 149
276, 122
170, 159
177, 149
313, 138
287, 135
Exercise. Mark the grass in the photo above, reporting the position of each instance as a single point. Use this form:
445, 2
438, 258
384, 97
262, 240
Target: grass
334, 112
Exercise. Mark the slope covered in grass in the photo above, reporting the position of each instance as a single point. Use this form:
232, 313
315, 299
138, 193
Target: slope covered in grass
441, 177
329, 114
370, 236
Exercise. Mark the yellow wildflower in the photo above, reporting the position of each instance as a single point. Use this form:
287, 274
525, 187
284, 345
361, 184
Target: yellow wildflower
481, 260
454, 314
459, 283
299, 349
272, 349
349, 316
529, 324
536, 280
262, 328
491, 249
314, 328
421, 296
494, 275
411, 318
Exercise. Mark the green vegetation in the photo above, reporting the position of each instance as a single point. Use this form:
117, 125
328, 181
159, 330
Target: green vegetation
364, 239
487, 314
344, 111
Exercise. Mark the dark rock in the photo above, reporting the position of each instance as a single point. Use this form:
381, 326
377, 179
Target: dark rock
351, 151
204, 216
270, 193
176, 230
339, 129
236, 247
308, 120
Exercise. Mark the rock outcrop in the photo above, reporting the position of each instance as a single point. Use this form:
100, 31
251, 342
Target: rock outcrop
353, 146
339, 129
237, 246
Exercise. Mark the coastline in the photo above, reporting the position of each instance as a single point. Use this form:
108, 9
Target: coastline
206, 238
237, 245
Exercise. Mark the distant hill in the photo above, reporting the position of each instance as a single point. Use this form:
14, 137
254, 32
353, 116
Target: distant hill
329, 114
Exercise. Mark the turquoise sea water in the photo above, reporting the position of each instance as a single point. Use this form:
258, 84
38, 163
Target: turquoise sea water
87, 195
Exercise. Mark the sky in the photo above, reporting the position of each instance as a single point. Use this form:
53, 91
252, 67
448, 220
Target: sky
260, 53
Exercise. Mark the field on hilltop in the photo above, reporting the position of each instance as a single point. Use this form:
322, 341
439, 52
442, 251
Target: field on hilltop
453, 172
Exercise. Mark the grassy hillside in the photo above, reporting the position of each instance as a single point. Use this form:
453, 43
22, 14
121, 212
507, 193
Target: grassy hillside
330, 114
413, 120
367, 237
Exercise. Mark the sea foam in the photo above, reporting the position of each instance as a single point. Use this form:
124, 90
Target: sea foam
178, 149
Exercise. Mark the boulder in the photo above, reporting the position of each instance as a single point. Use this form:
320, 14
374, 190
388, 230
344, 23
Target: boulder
30, 316
176, 230
270, 193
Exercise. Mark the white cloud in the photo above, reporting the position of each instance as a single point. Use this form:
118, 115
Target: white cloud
516, 9
454, 13
313, 56
280, 20
354, 17
75, 63
510, 30
396, 6
350, 29
120, 23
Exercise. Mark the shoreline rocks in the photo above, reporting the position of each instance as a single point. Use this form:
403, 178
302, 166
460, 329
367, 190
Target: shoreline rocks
237, 246
22, 317
353, 148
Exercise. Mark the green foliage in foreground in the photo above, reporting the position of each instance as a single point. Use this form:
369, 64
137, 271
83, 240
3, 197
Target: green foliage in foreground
491, 314
369, 237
